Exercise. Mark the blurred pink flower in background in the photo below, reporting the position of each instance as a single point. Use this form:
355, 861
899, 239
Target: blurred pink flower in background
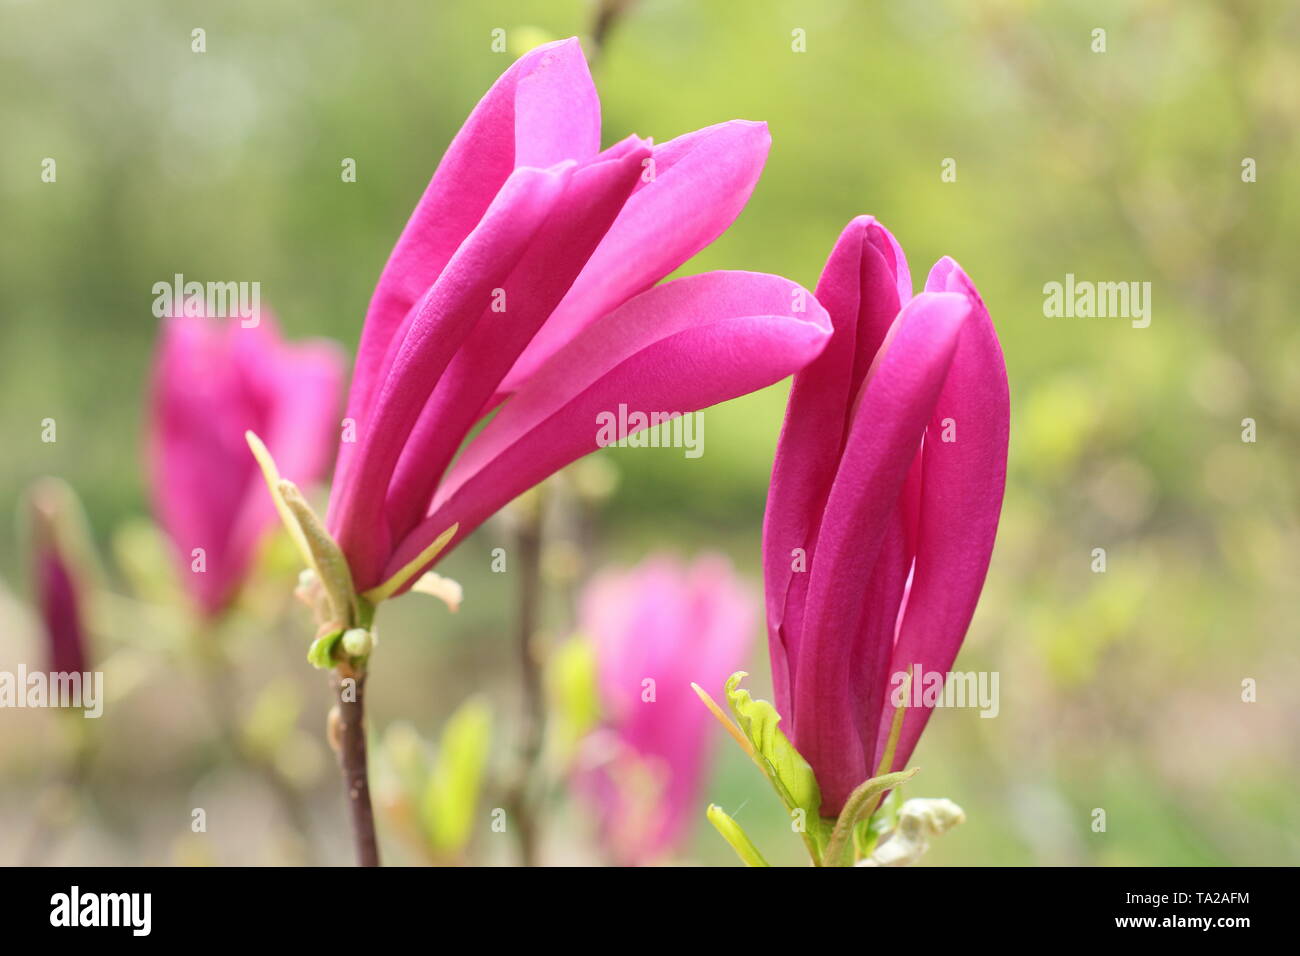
58, 574
884, 503
525, 276
671, 624
212, 380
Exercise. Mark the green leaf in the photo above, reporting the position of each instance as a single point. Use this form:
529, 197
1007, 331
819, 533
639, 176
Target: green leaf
733, 834
321, 652
790, 774
452, 791
572, 691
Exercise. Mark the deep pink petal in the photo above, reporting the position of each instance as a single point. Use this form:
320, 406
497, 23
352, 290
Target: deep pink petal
701, 182
861, 542
542, 111
558, 252
960, 501
438, 325
860, 287
680, 347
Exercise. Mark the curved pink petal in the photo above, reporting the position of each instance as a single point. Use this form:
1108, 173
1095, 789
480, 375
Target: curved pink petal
594, 195
702, 181
433, 332
679, 347
848, 628
542, 111
960, 502
862, 288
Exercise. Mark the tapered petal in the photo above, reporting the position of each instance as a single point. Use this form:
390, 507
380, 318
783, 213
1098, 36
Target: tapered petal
700, 183
862, 543
960, 502
435, 329
679, 347
591, 201
542, 111
863, 286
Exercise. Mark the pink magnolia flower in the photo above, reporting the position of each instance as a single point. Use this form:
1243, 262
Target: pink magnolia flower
884, 503
525, 276
212, 380
669, 624
58, 575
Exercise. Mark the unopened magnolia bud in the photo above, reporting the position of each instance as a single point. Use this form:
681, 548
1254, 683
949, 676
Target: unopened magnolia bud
358, 642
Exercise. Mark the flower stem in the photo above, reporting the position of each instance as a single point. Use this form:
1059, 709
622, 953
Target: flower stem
348, 735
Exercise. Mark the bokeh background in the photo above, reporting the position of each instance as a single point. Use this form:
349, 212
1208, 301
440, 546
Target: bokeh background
1120, 690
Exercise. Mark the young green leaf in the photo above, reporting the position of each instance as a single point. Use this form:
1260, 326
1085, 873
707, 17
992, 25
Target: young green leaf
321, 652
734, 835
452, 792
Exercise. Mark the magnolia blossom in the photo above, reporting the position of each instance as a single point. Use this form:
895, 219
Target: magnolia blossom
58, 574
884, 503
524, 283
213, 379
656, 629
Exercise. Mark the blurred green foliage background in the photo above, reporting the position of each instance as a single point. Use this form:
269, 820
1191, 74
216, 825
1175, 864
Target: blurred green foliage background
1119, 690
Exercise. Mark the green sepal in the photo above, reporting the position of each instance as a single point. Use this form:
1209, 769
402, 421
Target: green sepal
858, 808
734, 835
790, 772
791, 775
760, 735
327, 560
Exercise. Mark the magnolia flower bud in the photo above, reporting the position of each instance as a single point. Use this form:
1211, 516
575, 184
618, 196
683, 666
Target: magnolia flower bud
59, 557
358, 642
